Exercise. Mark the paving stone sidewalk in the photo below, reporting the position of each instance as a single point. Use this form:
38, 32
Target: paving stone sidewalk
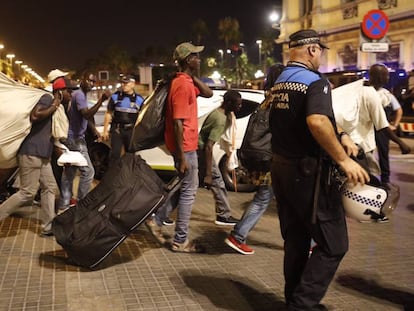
376, 274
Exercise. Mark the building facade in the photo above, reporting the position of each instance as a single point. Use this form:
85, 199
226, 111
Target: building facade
339, 24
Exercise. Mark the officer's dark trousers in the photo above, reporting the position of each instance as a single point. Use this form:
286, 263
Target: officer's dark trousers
120, 137
307, 278
383, 148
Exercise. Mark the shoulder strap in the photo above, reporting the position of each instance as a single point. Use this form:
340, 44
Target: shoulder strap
115, 96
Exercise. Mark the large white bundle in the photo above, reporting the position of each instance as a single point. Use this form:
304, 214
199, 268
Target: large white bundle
358, 110
346, 104
16, 103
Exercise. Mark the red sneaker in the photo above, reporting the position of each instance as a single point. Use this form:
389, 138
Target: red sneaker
73, 202
242, 248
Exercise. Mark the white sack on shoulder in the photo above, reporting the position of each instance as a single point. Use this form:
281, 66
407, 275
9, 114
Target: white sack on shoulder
345, 104
16, 103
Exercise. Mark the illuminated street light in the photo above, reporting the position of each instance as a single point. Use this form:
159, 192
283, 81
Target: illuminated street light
1, 56
10, 57
258, 74
242, 47
18, 63
215, 75
259, 43
221, 56
274, 18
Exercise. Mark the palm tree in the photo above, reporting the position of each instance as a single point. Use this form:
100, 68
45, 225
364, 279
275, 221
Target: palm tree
199, 30
268, 47
229, 31
118, 59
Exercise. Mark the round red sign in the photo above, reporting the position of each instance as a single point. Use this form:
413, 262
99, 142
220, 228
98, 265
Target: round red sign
375, 24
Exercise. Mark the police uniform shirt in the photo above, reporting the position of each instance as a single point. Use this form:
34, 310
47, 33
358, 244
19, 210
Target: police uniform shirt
298, 93
125, 107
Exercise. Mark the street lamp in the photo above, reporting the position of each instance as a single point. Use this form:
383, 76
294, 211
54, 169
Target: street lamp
18, 63
274, 19
1, 57
10, 57
221, 57
259, 43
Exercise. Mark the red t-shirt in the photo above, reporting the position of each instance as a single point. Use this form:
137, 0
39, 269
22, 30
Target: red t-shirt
182, 104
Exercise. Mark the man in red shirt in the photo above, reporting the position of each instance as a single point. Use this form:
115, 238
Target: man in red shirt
181, 139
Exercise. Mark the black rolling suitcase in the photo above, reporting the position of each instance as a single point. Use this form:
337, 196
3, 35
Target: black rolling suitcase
129, 192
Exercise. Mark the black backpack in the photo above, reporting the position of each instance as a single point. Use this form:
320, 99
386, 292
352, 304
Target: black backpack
256, 150
150, 125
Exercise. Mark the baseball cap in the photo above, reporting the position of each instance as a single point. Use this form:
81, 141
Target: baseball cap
128, 78
305, 36
63, 83
56, 73
184, 49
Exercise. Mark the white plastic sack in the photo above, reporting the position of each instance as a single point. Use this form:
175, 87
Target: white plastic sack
228, 143
16, 103
345, 104
60, 123
70, 157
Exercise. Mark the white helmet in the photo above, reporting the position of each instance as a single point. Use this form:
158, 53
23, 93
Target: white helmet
369, 201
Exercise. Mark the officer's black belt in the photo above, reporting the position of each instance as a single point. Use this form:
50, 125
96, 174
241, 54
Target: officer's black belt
281, 159
123, 125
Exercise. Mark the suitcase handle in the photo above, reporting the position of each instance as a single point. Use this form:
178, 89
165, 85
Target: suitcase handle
174, 183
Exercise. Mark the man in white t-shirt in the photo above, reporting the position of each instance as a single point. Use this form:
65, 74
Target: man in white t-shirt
379, 76
370, 116
365, 117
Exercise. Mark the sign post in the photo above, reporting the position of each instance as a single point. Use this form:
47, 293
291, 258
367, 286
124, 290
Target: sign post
374, 27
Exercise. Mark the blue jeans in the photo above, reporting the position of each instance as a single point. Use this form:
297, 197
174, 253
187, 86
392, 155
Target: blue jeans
186, 198
253, 213
219, 192
69, 172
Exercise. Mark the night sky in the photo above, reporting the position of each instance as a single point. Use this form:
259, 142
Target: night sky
64, 34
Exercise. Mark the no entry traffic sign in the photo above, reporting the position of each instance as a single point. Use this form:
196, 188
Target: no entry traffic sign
375, 24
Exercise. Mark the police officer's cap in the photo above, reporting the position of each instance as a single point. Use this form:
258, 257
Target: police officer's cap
305, 36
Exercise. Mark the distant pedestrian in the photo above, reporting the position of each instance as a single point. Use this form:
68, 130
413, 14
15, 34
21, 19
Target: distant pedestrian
181, 139
378, 77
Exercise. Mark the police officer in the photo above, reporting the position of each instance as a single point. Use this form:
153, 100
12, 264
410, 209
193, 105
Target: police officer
122, 112
305, 142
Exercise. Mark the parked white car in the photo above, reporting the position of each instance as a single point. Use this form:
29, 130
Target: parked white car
160, 159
